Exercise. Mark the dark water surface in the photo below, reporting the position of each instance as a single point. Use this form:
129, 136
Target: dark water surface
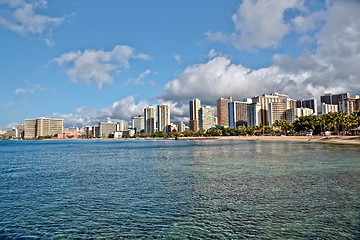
227, 189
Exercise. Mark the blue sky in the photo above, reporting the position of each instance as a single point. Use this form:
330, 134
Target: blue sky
90, 61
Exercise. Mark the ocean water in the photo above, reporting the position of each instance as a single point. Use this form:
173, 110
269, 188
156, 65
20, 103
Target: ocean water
146, 189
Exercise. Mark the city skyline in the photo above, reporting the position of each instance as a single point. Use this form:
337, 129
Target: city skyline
147, 54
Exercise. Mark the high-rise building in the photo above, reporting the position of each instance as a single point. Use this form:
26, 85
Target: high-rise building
138, 123
163, 117
150, 119
264, 101
206, 117
20, 130
348, 105
194, 106
276, 111
285, 110
290, 110
334, 99
254, 114
41, 127
106, 128
237, 113
326, 108
223, 111
311, 103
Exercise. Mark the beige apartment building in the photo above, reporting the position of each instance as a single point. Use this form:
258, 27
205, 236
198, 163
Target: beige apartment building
42, 127
264, 101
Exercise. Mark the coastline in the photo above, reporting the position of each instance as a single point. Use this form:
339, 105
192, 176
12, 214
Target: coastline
353, 140
334, 139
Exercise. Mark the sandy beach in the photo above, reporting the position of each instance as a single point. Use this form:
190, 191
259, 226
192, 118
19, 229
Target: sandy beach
323, 139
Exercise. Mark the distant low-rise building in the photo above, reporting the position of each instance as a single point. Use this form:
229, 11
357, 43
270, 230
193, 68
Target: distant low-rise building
118, 135
129, 132
69, 134
300, 112
181, 127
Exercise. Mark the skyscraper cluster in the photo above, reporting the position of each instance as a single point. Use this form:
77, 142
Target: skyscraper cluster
266, 109
256, 111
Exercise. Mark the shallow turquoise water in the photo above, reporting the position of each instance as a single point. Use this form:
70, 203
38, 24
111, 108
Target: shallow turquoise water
228, 189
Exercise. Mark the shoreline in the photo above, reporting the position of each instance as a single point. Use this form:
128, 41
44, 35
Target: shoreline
353, 140
334, 139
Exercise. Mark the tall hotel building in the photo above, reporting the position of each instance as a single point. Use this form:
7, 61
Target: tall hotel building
105, 128
163, 117
349, 105
138, 123
149, 119
41, 127
238, 113
276, 111
206, 117
223, 111
194, 106
254, 114
264, 101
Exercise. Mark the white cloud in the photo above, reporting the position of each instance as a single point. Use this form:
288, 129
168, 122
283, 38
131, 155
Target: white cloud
220, 78
124, 109
306, 39
177, 58
31, 88
11, 125
335, 64
97, 66
258, 24
303, 24
8, 104
21, 17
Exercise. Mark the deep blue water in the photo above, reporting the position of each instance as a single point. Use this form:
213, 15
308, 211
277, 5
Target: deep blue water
229, 189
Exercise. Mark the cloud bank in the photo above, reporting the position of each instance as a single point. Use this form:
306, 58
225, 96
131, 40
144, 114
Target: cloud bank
97, 66
123, 109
